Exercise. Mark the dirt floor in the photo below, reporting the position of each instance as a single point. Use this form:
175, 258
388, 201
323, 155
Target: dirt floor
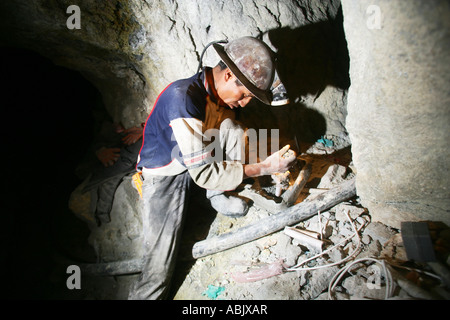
214, 276
281, 267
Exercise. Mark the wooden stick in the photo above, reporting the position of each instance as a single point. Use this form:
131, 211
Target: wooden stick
304, 239
276, 222
291, 195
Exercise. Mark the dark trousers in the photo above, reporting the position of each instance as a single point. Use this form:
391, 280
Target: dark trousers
165, 204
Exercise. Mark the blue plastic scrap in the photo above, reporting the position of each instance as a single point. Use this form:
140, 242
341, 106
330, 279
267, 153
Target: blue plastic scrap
213, 292
326, 142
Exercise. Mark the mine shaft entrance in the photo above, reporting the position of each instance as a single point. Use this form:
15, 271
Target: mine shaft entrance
46, 128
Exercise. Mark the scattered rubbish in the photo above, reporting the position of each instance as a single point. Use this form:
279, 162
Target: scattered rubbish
360, 258
417, 241
326, 142
351, 255
213, 291
269, 270
387, 276
307, 238
419, 247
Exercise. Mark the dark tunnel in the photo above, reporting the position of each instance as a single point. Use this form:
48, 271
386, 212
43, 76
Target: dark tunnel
47, 127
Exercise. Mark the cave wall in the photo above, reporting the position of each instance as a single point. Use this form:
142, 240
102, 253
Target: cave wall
399, 106
131, 50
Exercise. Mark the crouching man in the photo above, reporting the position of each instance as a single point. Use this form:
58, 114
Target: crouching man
175, 152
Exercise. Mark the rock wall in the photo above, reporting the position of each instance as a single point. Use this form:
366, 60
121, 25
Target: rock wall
399, 106
121, 238
130, 50
398, 109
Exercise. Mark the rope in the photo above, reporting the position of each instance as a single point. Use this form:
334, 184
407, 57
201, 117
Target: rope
338, 276
350, 256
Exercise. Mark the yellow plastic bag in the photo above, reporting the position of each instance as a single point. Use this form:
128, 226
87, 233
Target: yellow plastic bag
137, 181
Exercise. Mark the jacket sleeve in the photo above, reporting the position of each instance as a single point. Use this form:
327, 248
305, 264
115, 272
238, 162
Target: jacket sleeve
203, 157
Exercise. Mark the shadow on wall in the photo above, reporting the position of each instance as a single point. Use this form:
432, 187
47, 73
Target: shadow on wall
310, 58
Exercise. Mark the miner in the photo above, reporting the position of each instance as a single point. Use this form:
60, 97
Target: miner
176, 152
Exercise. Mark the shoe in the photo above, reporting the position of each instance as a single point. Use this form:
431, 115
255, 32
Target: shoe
226, 204
279, 93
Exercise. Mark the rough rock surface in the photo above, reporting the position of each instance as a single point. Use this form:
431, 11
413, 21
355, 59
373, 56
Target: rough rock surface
398, 106
121, 238
397, 114
131, 50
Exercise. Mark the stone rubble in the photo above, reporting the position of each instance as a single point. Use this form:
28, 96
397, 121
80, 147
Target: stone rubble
365, 281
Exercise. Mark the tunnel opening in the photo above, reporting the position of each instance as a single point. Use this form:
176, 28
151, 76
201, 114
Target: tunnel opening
48, 125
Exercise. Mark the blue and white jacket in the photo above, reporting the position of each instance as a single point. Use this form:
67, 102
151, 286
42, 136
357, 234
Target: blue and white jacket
174, 135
